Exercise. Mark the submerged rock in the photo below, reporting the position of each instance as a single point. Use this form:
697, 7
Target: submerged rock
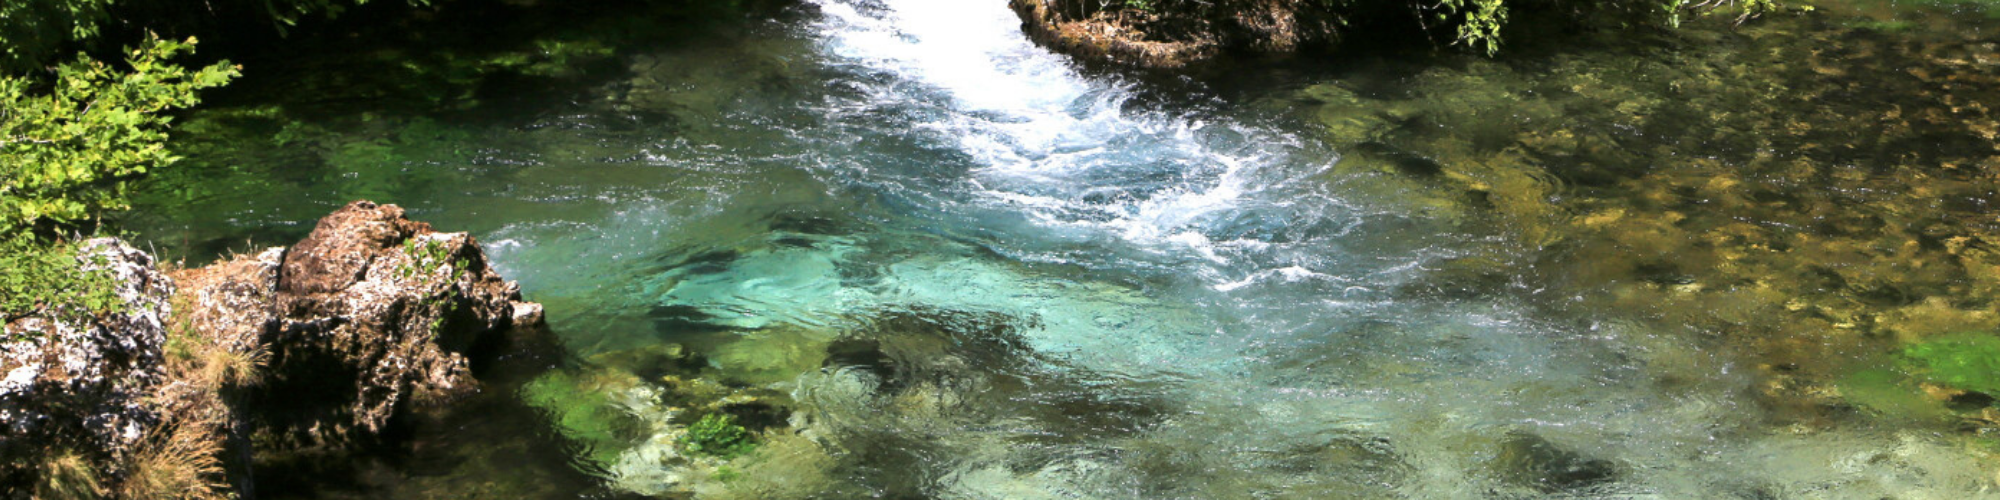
1531, 461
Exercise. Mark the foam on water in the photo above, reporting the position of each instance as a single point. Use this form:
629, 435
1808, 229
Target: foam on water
1181, 268
1066, 150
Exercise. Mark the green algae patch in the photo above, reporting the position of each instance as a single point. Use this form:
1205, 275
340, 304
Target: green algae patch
717, 434
583, 413
1969, 361
1889, 393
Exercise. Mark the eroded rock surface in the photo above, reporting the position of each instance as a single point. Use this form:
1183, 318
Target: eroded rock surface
1172, 35
389, 306
371, 315
80, 384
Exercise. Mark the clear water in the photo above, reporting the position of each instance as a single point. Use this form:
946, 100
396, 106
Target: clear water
1192, 300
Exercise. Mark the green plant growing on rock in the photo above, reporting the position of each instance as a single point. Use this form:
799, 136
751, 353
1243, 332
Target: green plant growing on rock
39, 277
427, 256
1964, 361
717, 434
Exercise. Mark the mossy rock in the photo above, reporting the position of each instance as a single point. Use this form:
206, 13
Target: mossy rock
582, 410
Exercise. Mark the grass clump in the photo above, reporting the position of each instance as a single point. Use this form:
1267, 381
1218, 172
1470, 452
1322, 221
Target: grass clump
181, 460
67, 475
717, 434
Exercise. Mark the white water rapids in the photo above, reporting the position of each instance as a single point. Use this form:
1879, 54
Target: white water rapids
1203, 310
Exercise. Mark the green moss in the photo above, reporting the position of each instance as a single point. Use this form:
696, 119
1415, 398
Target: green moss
1969, 361
717, 434
584, 415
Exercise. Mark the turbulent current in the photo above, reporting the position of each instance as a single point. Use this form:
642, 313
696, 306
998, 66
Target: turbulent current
968, 269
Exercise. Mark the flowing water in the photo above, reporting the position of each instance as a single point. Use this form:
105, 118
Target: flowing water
923, 257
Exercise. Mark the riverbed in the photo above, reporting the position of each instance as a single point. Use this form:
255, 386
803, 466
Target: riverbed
917, 256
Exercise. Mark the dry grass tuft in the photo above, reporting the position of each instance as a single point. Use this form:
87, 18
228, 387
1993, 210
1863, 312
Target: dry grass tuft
180, 460
68, 476
201, 360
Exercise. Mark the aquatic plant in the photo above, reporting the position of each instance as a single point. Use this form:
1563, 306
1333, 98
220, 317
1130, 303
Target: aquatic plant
1968, 361
582, 414
1889, 393
717, 434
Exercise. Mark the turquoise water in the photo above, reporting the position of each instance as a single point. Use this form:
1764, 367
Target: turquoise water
963, 268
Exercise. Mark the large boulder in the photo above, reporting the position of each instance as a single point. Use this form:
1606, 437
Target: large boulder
77, 383
375, 311
372, 315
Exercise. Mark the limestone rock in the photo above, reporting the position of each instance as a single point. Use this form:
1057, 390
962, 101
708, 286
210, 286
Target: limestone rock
82, 385
370, 315
389, 305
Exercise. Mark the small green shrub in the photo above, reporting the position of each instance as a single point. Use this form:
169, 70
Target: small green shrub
40, 278
426, 258
717, 434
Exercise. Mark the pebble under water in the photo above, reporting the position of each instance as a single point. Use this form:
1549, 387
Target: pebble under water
915, 256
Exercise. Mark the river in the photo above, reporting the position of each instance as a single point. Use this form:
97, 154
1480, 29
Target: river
923, 258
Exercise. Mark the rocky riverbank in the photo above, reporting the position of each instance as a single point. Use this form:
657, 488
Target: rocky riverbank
317, 346
1173, 34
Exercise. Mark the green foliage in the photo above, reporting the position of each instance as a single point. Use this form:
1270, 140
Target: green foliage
717, 434
1969, 361
41, 278
67, 151
1480, 23
427, 256
32, 31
